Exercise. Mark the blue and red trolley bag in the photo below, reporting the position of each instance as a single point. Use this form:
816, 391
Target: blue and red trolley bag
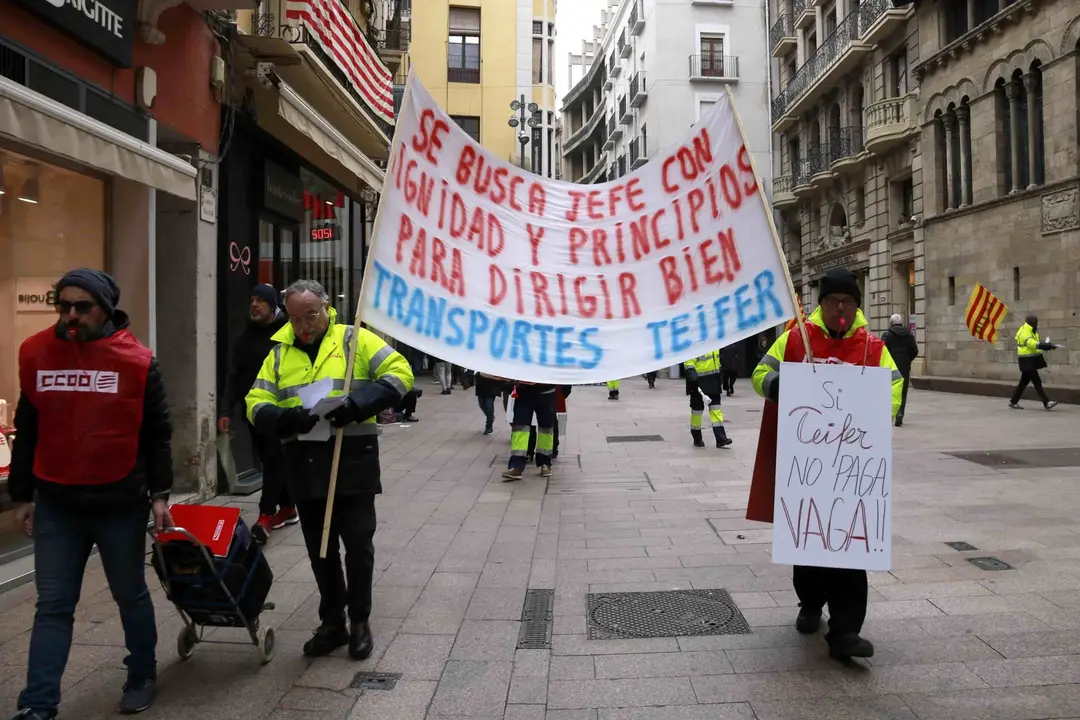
215, 574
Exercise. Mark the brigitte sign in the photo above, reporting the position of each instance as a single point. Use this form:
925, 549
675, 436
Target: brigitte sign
494, 268
107, 26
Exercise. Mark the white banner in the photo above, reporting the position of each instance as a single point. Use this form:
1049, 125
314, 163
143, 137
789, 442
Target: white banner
833, 505
493, 268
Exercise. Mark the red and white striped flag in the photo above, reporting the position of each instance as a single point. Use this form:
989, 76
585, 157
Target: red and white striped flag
984, 314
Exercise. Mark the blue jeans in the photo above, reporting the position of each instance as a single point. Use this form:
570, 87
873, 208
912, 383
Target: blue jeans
487, 404
62, 545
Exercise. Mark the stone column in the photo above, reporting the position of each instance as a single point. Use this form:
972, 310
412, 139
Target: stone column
1012, 92
948, 121
971, 13
963, 119
1031, 82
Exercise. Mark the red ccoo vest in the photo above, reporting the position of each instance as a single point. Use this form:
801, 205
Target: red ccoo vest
861, 348
89, 398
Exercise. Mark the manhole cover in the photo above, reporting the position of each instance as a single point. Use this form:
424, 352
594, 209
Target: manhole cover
536, 617
961, 546
990, 564
634, 438
374, 681
669, 613
1027, 457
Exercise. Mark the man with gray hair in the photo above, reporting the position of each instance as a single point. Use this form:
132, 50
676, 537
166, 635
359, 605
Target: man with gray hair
903, 348
313, 350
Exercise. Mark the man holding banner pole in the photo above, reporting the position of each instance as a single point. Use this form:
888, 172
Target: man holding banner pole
837, 334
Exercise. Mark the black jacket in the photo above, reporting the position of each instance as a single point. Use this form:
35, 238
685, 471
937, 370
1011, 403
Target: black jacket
731, 358
902, 346
152, 476
248, 353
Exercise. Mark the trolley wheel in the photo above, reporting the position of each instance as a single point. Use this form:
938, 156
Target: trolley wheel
266, 645
186, 641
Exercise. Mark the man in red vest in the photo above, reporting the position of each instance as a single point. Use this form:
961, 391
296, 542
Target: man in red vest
837, 330
93, 457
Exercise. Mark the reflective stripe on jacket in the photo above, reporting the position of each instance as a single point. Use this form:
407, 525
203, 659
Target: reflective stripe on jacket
1027, 341
707, 364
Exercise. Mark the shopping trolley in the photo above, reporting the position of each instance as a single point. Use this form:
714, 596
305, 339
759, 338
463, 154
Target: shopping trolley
215, 575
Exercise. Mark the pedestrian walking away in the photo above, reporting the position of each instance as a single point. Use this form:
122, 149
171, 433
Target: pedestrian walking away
488, 388
613, 389
903, 348
313, 349
730, 360
561, 393
1029, 351
405, 410
703, 385
250, 349
531, 400
650, 377
87, 470
838, 333
444, 376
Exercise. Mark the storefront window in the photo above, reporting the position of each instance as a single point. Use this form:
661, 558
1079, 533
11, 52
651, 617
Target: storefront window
324, 240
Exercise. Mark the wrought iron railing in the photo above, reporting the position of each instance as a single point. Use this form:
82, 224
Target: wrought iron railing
798, 7
714, 66
637, 84
463, 75
846, 142
638, 150
633, 17
624, 107
819, 158
622, 164
869, 12
397, 39
782, 28
846, 33
800, 172
611, 126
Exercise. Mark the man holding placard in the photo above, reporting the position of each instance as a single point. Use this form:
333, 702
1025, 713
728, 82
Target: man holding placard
828, 469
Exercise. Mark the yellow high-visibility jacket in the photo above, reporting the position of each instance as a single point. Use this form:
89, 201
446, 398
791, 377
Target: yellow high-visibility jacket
1027, 341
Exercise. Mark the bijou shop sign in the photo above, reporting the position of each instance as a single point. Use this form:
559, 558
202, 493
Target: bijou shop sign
35, 295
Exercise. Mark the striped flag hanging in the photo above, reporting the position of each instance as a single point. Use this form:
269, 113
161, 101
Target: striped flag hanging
984, 314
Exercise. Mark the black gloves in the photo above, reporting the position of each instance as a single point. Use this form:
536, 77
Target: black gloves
343, 414
1047, 346
774, 389
691, 374
294, 421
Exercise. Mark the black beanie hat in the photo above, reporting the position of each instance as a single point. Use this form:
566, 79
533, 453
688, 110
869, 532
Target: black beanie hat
839, 280
98, 283
266, 293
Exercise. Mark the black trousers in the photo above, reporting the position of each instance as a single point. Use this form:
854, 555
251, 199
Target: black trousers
348, 588
275, 492
1029, 376
407, 404
728, 380
651, 377
903, 396
554, 441
845, 592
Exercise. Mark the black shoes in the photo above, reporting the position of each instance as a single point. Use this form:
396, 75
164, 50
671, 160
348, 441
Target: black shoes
899, 421
360, 641
724, 442
850, 645
326, 640
138, 696
809, 620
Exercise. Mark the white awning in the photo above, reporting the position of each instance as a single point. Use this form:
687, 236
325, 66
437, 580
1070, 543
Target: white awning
298, 113
34, 119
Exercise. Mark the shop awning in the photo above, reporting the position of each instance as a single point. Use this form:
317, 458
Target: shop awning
34, 119
304, 118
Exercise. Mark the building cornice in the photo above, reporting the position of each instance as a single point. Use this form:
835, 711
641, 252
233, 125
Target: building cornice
982, 33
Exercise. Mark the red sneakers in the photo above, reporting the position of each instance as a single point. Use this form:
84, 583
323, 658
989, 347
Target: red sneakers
285, 516
261, 529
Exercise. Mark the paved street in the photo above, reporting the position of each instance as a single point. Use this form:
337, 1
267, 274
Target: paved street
457, 548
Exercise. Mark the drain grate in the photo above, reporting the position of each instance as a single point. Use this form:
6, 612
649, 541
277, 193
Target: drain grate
1024, 458
536, 617
374, 681
961, 546
990, 564
666, 613
634, 438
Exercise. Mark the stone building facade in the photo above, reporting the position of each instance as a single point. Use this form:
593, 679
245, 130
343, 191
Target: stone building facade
999, 87
846, 157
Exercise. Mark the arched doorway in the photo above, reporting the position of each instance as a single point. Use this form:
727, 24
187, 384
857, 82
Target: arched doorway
838, 226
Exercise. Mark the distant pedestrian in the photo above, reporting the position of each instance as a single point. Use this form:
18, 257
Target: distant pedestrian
613, 389
1029, 351
650, 377
406, 407
703, 387
488, 388
444, 376
730, 360
903, 348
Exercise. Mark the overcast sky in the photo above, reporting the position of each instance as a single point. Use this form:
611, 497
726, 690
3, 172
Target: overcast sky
574, 20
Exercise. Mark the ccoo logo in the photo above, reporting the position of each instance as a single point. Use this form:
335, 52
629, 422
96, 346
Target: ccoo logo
91, 381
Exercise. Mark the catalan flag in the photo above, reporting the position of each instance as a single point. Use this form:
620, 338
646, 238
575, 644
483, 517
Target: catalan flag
793, 322
984, 314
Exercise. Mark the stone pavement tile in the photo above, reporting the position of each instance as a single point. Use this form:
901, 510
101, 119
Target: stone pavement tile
394, 600
315, 699
216, 684
528, 691
496, 604
336, 672
997, 704
408, 573
572, 667
579, 714
749, 600
759, 660
898, 609
727, 711
417, 657
570, 625
525, 712
902, 679
409, 700
763, 637
1034, 644
660, 665
280, 714
531, 663
437, 612
917, 591
915, 652
825, 682
505, 575
95, 697
542, 574
83, 662
503, 552
486, 640
474, 689
1059, 670
641, 692
983, 624
883, 707
581, 645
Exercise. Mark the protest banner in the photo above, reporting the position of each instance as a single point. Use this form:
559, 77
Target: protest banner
833, 501
491, 267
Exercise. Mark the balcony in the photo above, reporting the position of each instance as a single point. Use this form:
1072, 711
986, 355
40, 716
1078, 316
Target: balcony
802, 13
820, 164
594, 172
622, 165
626, 113
847, 149
463, 75
614, 68
392, 44
878, 19
626, 48
585, 132
782, 195
838, 55
890, 123
782, 38
638, 92
612, 136
612, 172
639, 153
637, 19
714, 68
800, 178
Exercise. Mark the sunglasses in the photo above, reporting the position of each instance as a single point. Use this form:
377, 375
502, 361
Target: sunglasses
82, 307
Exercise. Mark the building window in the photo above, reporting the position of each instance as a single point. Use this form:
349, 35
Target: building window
551, 62
954, 20
858, 210
712, 55
463, 56
953, 144
952, 290
538, 27
1021, 145
896, 79
537, 61
903, 201
470, 124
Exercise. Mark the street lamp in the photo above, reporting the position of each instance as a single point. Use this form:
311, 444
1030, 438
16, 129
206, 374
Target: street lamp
520, 121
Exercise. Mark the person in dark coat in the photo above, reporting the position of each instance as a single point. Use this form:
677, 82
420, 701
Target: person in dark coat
903, 348
488, 388
730, 360
265, 318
